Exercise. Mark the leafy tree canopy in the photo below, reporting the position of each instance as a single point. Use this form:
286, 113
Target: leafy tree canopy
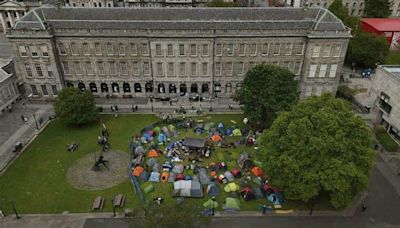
75, 107
377, 8
221, 3
266, 90
366, 49
318, 147
339, 10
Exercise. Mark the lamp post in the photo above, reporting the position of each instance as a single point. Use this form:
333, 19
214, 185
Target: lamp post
113, 207
213, 201
15, 210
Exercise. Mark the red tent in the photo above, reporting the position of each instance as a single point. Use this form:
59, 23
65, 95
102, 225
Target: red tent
388, 27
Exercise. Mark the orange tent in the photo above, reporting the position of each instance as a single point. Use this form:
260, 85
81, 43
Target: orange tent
152, 154
164, 177
257, 171
216, 138
137, 171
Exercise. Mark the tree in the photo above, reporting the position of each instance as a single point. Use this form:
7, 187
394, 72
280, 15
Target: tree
339, 10
266, 90
377, 8
319, 147
221, 3
169, 215
366, 49
75, 106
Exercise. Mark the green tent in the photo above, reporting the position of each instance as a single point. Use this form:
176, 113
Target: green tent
157, 129
209, 125
210, 204
237, 132
232, 203
231, 187
149, 188
171, 128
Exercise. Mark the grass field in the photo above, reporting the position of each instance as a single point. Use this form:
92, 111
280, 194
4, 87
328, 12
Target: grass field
37, 183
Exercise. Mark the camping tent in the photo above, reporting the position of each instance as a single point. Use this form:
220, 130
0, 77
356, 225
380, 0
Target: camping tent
257, 171
137, 171
210, 204
171, 128
203, 177
244, 161
273, 199
199, 129
229, 176
208, 126
194, 143
152, 154
178, 168
220, 126
247, 194
156, 167
237, 132
216, 138
150, 163
139, 151
164, 177
172, 177
187, 188
161, 138
231, 187
228, 131
157, 130
166, 131
154, 177
231, 203
212, 189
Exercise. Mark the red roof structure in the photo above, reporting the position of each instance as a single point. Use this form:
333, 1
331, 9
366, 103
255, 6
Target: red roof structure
388, 27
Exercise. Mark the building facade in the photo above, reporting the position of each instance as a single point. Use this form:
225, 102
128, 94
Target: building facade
173, 52
11, 11
386, 88
8, 89
355, 7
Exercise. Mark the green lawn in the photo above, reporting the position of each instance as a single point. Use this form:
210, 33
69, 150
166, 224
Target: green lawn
387, 142
36, 181
393, 58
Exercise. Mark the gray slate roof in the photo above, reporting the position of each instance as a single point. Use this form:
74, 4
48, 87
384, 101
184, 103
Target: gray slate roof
181, 18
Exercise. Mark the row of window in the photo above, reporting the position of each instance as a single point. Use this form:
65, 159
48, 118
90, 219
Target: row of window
255, 49
110, 49
182, 69
45, 90
321, 71
101, 68
161, 88
33, 51
39, 70
326, 50
194, 50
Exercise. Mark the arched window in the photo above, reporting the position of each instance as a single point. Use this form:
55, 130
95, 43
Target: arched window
81, 86
238, 86
126, 87
115, 87
95, 4
93, 87
161, 88
172, 88
69, 84
104, 88
217, 87
182, 89
228, 88
149, 87
138, 88
193, 88
204, 88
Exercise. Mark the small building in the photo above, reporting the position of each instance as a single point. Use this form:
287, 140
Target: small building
8, 89
388, 27
386, 88
194, 144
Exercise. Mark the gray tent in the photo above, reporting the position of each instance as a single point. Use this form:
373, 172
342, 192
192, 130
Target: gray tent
244, 161
178, 168
229, 176
166, 131
194, 143
203, 177
151, 162
139, 151
188, 188
171, 177
156, 167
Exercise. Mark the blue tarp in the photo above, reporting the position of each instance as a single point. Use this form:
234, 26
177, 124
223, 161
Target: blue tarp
161, 138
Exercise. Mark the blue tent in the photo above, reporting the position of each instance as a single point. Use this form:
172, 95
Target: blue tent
147, 136
273, 199
154, 177
220, 125
228, 131
171, 145
212, 189
161, 138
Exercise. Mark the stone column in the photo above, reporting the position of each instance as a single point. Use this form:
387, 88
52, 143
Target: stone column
17, 12
10, 16
3, 22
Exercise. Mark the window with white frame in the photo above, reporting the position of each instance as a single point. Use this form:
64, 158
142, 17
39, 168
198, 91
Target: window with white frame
218, 49
22, 51
193, 49
182, 69
134, 50
170, 70
100, 68
159, 69
264, 49
242, 49
145, 49
299, 48
98, 49
110, 49
34, 51
44, 90
86, 49
253, 49
61, 49
297, 67
193, 69
204, 67
146, 68
332, 70
205, 50
39, 70
49, 68
124, 68
229, 49
218, 68
113, 68
78, 69
286, 64
181, 49
326, 52
89, 68
28, 70
158, 50
121, 49
337, 49
229, 68
240, 68
74, 49
66, 68
312, 71
316, 50
45, 52
135, 68
277, 47
322, 71
170, 50
288, 48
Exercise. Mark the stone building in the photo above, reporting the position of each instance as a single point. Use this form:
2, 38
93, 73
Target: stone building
8, 89
386, 88
143, 53
355, 7
11, 11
